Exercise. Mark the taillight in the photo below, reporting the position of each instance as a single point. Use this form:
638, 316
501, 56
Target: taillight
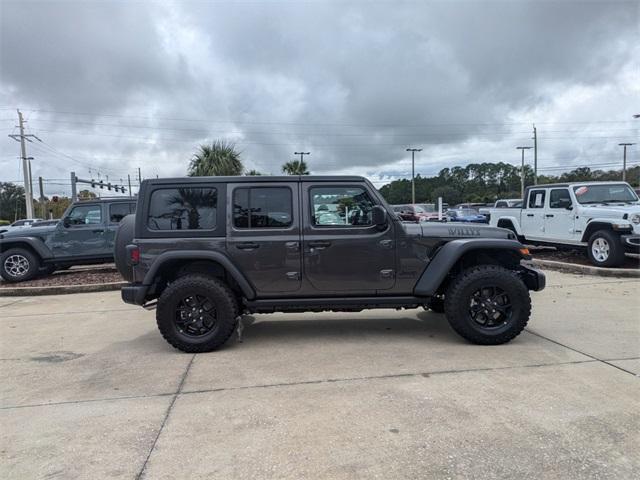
134, 254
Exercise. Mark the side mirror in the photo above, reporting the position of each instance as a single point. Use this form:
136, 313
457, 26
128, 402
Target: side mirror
378, 216
66, 222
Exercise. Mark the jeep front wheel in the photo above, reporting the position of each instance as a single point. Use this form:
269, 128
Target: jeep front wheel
488, 305
197, 313
605, 249
18, 265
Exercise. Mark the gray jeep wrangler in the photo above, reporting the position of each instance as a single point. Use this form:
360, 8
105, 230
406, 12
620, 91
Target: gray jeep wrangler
84, 235
206, 250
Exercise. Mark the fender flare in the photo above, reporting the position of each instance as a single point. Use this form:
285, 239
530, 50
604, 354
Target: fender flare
35, 243
591, 226
247, 289
514, 221
450, 253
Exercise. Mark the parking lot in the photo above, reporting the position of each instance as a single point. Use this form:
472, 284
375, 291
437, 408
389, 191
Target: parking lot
91, 390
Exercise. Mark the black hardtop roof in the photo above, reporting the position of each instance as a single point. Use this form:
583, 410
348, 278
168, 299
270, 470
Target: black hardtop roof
259, 179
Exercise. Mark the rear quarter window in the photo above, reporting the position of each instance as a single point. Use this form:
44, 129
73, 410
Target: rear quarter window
183, 208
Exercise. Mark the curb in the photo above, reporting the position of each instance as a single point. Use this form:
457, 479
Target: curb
59, 289
586, 269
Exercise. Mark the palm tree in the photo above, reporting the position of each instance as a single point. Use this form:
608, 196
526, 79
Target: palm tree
218, 159
295, 167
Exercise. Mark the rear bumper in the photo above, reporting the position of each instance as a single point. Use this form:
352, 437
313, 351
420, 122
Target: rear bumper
134, 294
533, 278
631, 242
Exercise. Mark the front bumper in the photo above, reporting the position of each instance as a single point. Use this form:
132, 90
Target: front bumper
631, 242
533, 278
134, 293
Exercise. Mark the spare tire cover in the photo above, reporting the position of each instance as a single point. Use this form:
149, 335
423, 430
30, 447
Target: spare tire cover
124, 237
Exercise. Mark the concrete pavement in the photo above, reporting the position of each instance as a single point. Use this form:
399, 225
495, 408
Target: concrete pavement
91, 390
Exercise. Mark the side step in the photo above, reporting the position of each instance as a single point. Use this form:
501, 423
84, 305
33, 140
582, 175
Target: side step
336, 304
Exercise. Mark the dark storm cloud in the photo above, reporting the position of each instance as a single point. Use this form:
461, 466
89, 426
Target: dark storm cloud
354, 82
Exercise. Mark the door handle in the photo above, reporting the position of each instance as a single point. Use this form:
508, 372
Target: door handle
529, 214
319, 244
247, 246
549, 215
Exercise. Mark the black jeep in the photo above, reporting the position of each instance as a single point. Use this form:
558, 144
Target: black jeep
206, 250
84, 235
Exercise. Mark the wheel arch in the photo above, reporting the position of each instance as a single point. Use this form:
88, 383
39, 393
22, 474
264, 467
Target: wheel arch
459, 254
595, 225
172, 265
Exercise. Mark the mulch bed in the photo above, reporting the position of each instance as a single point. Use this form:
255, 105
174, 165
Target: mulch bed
74, 276
575, 256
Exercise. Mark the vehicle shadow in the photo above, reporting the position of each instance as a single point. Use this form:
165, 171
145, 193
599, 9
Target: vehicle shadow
346, 327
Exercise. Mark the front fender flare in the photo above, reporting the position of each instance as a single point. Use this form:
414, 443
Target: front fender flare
247, 289
450, 253
35, 243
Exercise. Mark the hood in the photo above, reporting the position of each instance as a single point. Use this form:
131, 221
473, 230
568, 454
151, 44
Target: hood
616, 210
29, 232
453, 230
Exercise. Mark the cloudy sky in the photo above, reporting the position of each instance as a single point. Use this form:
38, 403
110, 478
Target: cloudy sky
110, 86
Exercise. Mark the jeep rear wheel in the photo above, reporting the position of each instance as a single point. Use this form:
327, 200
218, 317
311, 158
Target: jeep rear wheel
488, 305
197, 313
18, 265
605, 249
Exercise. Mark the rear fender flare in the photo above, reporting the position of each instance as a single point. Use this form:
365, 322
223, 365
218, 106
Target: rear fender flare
247, 290
450, 253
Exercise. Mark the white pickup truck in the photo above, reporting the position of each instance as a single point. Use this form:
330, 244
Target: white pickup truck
604, 217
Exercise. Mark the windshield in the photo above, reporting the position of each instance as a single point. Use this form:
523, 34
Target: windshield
418, 209
427, 208
464, 212
616, 193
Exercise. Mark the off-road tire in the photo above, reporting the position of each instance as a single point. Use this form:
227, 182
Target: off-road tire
217, 292
459, 295
616, 249
33, 265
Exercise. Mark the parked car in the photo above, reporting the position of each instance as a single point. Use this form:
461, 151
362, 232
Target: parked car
224, 255
19, 225
601, 217
469, 215
84, 235
506, 203
46, 223
416, 213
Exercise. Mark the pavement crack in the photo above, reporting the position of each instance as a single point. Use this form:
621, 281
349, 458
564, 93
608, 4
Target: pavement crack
166, 417
606, 362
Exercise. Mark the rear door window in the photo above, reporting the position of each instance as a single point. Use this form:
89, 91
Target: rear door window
117, 211
262, 207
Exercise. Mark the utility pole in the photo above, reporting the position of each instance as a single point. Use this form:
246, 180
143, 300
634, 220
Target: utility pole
522, 170
624, 159
74, 193
129, 180
535, 155
413, 171
302, 154
44, 207
26, 166
139, 178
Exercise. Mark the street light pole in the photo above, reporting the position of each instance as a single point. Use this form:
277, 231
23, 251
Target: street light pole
522, 170
413, 171
624, 159
302, 154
